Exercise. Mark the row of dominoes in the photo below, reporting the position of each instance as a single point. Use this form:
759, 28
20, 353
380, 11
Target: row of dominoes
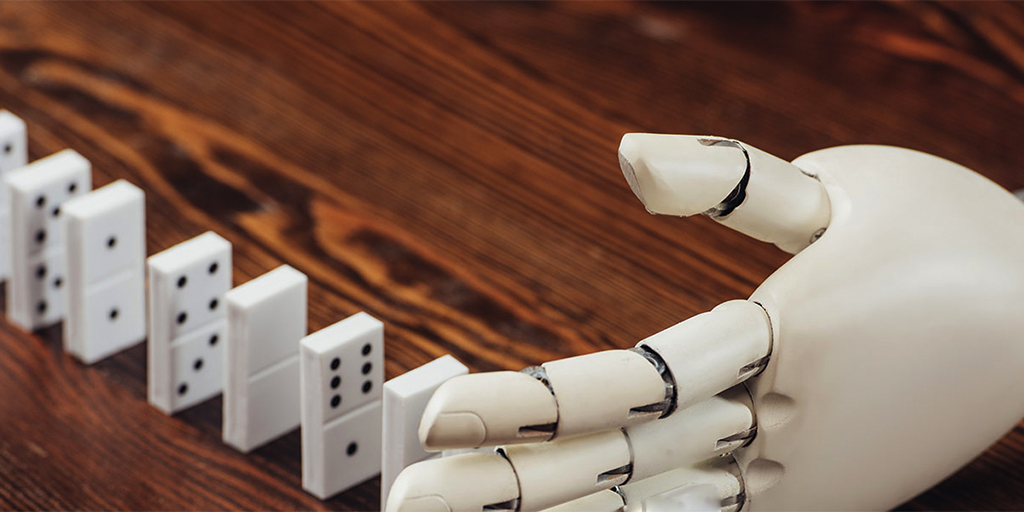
77, 255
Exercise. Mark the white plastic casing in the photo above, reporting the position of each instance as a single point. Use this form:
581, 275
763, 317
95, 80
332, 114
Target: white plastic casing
568, 468
686, 498
720, 475
704, 355
466, 482
483, 418
602, 501
563, 398
713, 351
711, 428
736, 184
898, 346
679, 175
906, 308
599, 391
715, 480
782, 205
574, 467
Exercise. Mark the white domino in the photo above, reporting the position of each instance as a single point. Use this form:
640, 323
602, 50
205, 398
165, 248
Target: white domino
13, 155
35, 291
266, 321
187, 321
405, 398
106, 253
342, 377
13, 142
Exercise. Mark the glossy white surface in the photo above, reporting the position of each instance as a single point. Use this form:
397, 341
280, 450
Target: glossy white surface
266, 322
106, 287
342, 376
13, 155
36, 290
405, 398
186, 338
898, 348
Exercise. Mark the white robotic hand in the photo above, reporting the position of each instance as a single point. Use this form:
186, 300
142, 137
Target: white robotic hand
882, 357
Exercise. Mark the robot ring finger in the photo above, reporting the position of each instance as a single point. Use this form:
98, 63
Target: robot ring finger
883, 356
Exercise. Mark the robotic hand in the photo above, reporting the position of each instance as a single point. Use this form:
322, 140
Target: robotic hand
882, 357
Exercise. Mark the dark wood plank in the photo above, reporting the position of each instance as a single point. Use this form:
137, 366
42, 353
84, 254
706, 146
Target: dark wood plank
450, 168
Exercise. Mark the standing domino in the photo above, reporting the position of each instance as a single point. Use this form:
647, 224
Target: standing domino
106, 252
405, 398
35, 293
266, 319
342, 377
13, 142
13, 155
187, 321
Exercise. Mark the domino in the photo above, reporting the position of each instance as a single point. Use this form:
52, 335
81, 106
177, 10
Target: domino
266, 321
35, 293
13, 155
405, 398
106, 252
342, 375
13, 142
187, 321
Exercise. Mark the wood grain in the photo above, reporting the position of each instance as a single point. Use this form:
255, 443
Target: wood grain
450, 168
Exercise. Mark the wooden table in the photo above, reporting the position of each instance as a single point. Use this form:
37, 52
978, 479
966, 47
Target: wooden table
451, 169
